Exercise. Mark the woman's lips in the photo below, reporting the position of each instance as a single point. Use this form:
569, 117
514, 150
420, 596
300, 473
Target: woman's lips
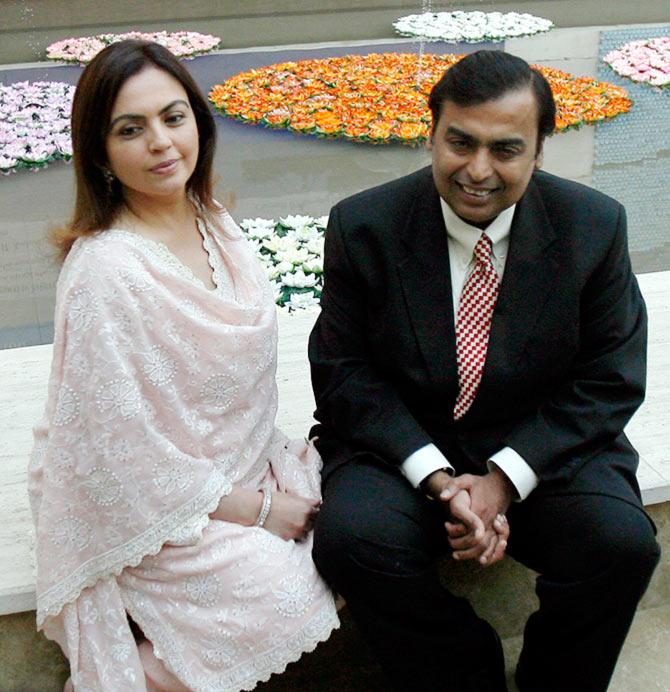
165, 167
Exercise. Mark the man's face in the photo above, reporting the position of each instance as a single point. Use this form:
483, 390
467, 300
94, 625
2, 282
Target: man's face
484, 155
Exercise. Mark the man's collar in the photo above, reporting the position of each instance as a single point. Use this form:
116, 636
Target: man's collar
467, 235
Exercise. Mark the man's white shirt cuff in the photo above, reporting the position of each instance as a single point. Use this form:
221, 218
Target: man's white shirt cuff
420, 464
514, 466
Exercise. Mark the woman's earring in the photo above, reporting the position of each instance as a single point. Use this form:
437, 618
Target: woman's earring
109, 178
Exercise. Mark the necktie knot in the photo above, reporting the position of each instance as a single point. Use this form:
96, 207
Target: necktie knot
482, 251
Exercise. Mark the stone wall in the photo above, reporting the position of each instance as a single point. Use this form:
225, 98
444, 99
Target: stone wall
28, 26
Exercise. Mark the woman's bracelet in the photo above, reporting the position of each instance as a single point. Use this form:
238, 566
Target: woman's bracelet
265, 508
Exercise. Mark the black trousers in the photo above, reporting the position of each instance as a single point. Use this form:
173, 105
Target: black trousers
377, 541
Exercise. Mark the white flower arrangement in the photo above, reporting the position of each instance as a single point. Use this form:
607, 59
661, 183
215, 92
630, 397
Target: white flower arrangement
34, 124
470, 27
291, 251
183, 44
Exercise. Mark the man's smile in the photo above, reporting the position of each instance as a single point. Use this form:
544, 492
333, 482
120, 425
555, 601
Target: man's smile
481, 192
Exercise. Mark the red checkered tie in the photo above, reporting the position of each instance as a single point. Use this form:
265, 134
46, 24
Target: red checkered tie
473, 324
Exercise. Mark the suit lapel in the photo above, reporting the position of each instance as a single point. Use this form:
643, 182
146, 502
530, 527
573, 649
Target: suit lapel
530, 272
425, 278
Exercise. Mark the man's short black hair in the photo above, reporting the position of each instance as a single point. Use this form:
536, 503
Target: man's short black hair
486, 75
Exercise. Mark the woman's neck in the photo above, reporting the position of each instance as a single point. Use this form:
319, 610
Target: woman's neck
158, 218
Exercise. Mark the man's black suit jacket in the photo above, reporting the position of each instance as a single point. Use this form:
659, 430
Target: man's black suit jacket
566, 361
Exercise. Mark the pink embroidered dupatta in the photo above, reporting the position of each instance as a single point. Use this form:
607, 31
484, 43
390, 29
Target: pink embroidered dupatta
162, 394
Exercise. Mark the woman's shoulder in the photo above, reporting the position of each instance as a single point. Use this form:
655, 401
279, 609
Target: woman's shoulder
114, 246
103, 255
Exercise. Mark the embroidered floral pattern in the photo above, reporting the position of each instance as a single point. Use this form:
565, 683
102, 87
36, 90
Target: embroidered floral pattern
219, 391
103, 486
78, 364
199, 425
71, 533
121, 652
119, 398
171, 475
247, 587
202, 589
294, 596
83, 309
67, 408
225, 653
159, 367
135, 278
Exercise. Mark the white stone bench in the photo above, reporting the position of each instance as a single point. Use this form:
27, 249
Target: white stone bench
24, 375
503, 594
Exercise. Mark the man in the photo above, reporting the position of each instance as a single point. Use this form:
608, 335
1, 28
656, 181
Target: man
482, 343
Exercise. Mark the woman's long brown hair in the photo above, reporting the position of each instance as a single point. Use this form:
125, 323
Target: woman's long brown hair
97, 200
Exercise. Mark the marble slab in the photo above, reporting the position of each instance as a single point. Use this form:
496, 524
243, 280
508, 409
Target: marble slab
24, 382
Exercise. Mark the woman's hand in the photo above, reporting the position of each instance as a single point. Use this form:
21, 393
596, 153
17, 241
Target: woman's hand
240, 506
291, 516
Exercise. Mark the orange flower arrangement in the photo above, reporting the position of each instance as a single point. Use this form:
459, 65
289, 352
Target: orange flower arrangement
381, 98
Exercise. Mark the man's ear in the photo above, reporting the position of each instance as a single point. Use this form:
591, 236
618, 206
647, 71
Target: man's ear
429, 141
539, 157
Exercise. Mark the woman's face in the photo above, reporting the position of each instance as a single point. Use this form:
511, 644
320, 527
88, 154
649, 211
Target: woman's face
152, 143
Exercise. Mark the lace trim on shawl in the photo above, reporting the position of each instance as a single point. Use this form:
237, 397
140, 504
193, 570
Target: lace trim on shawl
131, 554
220, 277
244, 677
176, 266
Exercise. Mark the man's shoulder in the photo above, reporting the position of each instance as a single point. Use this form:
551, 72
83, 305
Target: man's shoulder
392, 194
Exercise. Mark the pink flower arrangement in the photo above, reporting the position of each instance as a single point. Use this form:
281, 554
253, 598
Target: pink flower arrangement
647, 61
183, 44
34, 124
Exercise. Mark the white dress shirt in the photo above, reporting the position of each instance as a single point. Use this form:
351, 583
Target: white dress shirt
462, 238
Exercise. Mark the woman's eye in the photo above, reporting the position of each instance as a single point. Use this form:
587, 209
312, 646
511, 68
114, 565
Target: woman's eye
129, 130
174, 118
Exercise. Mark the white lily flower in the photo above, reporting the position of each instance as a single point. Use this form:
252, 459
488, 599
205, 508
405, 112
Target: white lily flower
314, 265
299, 280
296, 221
277, 243
258, 228
302, 301
305, 233
294, 255
315, 246
284, 267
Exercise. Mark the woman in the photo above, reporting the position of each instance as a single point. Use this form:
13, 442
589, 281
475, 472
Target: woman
162, 493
